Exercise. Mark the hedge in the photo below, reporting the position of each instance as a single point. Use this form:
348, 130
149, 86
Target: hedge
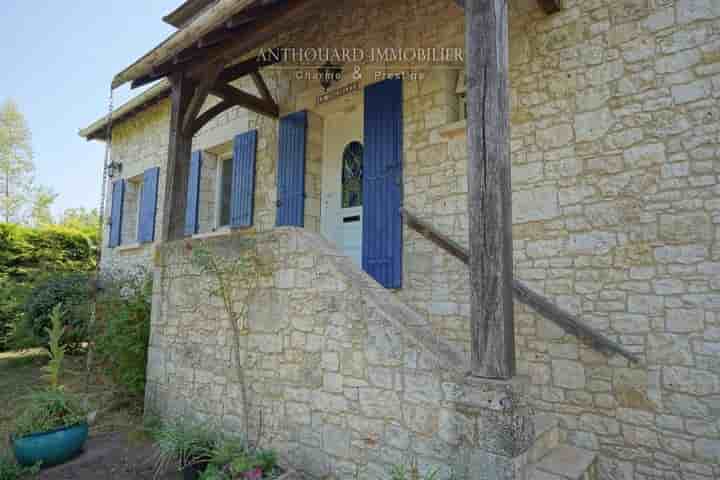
29, 257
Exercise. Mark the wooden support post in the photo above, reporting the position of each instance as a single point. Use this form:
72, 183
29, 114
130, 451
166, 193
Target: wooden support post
178, 163
489, 194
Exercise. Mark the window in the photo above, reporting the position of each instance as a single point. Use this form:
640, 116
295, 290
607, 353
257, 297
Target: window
461, 91
224, 189
352, 175
131, 210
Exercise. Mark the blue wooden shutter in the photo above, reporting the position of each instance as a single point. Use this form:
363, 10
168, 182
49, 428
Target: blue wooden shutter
118, 196
193, 194
291, 170
382, 183
243, 181
148, 205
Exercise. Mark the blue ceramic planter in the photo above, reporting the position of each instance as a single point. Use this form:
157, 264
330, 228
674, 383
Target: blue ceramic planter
50, 448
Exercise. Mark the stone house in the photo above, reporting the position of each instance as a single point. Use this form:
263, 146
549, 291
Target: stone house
355, 343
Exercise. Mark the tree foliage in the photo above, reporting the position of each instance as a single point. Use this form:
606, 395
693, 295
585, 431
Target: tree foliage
83, 220
16, 165
21, 200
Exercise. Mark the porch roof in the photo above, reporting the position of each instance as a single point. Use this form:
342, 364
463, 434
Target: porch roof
205, 22
187, 11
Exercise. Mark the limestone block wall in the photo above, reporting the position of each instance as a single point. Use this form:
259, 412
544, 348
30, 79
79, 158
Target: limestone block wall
615, 183
340, 377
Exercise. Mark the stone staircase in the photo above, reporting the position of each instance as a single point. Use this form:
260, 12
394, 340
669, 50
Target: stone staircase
551, 458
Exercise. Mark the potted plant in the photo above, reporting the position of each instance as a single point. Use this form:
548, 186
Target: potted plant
53, 428
233, 461
187, 448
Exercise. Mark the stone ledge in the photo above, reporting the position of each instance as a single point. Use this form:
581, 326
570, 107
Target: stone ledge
131, 247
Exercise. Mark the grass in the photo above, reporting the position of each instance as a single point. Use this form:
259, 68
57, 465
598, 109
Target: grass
21, 374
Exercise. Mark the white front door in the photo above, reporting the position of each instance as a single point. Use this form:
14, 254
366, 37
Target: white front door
341, 219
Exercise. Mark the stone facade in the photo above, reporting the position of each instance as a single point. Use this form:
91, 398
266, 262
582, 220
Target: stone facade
615, 125
340, 376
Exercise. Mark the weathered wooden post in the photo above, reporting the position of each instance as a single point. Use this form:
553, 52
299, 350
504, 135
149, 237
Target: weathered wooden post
489, 194
178, 162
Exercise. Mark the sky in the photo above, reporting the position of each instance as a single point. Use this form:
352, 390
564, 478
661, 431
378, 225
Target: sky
59, 57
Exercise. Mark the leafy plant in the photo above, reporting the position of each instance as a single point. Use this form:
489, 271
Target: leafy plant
11, 470
411, 472
72, 291
181, 444
47, 411
213, 472
56, 350
232, 459
122, 331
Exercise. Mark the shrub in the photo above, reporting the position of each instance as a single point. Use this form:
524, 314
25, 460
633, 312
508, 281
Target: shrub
28, 257
12, 298
26, 252
123, 331
180, 444
73, 292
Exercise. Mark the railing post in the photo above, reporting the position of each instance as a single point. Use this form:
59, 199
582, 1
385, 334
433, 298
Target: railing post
489, 193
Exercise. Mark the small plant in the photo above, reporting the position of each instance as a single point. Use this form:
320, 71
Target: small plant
11, 470
47, 411
232, 460
56, 350
182, 445
411, 472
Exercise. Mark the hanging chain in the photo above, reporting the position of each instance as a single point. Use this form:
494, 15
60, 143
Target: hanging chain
94, 284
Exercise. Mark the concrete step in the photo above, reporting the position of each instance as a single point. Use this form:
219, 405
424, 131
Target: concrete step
565, 463
547, 437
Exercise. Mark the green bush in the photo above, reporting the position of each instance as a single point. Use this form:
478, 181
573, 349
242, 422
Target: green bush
12, 298
123, 331
30, 257
26, 252
73, 292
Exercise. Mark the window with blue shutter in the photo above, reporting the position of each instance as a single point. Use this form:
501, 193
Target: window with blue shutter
193, 194
117, 198
243, 180
382, 183
291, 170
148, 205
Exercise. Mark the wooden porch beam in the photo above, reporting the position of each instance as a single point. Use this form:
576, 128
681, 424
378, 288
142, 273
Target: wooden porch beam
209, 114
245, 100
199, 97
262, 86
230, 74
489, 190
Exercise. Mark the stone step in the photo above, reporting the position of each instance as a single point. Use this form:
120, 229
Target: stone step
547, 437
565, 463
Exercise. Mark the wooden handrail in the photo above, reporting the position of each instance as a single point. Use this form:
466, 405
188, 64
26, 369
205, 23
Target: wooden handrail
565, 320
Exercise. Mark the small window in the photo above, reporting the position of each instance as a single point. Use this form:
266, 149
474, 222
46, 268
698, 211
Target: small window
131, 210
461, 92
139, 187
352, 175
225, 189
